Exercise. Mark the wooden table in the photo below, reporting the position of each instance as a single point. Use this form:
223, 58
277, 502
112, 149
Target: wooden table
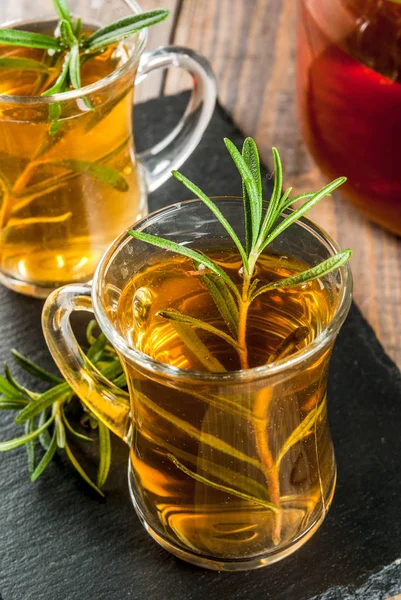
251, 46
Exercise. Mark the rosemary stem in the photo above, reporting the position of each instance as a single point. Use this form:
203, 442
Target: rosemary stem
242, 322
270, 469
260, 408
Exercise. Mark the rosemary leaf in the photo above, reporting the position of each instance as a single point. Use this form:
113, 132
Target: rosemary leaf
30, 446
251, 157
285, 203
123, 28
120, 381
24, 391
211, 206
44, 437
60, 429
104, 454
25, 64
303, 429
173, 315
80, 470
184, 251
69, 427
206, 438
75, 67
223, 299
197, 347
221, 487
251, 187
297, 214
34, 369
27, 39
59, 392
67, 34
100, 172
92, 325
245, 484
247, 211
20, 441
274, 205
46, 459
9, 391
11, 404
96, 350
325, 267
63, 11
78, 28
61, 84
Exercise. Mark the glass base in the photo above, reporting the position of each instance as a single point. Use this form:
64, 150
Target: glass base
30, 289
254, 562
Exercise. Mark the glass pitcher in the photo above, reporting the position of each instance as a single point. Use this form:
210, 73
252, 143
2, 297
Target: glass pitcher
349, 98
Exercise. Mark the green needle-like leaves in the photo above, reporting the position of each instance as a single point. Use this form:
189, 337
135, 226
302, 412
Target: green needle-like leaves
34, 369
104, 454
123, 28
172, 315
27, 39
50, 410
254, 200
184, 251
322, 269
20, 441
63, 11
23, 64
300, 212
46, 459
218, 214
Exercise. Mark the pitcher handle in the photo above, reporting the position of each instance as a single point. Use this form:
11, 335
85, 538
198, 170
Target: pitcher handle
108, 402
171, 152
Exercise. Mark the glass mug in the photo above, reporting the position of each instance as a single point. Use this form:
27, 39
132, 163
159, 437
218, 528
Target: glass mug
65, 196
349, 98
208, 421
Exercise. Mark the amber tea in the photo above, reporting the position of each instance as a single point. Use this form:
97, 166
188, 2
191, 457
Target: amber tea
69, 186
215, 494
70, 180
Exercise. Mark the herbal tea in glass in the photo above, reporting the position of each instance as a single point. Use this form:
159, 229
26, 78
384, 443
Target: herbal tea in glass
225, 327
349, 96
69, 178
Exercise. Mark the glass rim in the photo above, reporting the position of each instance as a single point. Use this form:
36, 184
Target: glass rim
93, 87
157, 367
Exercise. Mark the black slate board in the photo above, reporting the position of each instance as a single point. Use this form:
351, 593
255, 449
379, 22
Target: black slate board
58, 541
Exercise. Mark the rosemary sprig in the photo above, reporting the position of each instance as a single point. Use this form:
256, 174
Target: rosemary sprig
72, 47
261, 229
46, 415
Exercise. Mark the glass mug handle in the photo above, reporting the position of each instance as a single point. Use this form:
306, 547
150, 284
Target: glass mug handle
170, 153
108, 402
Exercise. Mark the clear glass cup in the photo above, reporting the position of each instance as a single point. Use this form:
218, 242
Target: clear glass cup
66, 195
349, 99
259, 435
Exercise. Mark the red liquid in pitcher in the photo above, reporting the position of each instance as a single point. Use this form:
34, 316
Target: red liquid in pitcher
349, 94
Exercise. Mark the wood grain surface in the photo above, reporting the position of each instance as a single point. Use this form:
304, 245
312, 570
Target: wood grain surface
251, 46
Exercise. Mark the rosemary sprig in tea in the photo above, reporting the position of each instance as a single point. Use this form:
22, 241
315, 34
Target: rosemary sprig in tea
73, 45
261, 229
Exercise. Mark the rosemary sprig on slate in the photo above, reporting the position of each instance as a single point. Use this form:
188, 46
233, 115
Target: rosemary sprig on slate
46, 417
